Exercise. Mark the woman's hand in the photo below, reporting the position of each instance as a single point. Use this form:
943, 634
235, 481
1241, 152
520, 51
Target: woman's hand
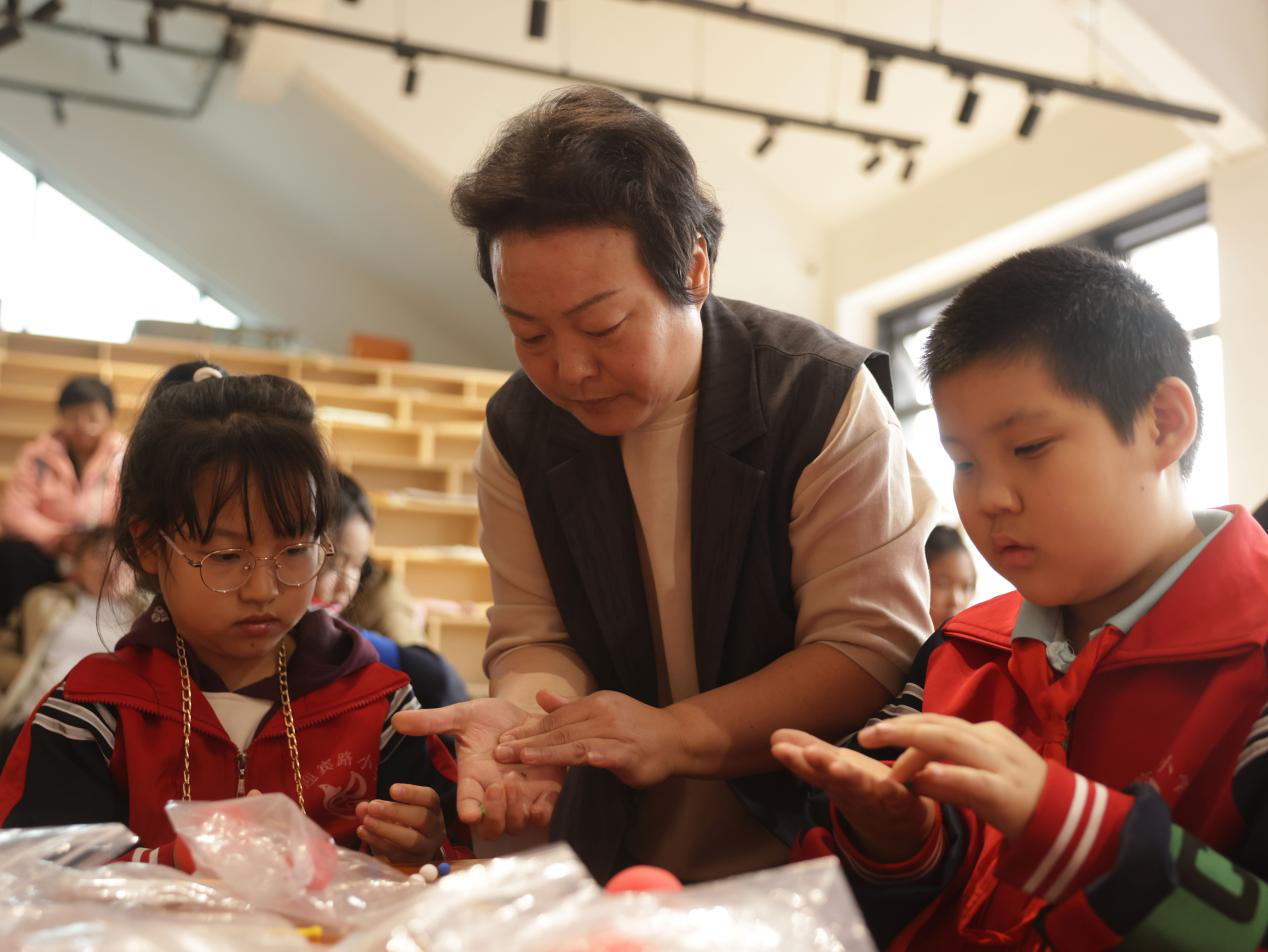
493, 798
886, 820
639, 743
408, 829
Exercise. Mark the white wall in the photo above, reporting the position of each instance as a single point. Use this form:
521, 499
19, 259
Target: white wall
1239, 211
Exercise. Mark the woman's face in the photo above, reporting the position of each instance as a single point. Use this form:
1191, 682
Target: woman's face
84, 424
593, 330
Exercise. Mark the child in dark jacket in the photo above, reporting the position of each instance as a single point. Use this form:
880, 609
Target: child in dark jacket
227, 683
1082, 763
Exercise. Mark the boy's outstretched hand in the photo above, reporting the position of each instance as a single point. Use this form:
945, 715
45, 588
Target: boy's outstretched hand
887, 821
984, 767
408, 829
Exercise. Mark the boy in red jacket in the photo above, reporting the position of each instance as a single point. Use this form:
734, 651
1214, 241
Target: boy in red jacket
1083, 762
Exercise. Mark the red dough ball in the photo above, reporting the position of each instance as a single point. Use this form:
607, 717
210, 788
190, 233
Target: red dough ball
644, 879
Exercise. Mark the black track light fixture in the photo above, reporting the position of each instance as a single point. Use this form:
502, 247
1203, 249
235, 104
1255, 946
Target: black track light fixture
969, 103
58, 103
153, 32
411, 78
112, 55
651, 103
1031, 118
909, 167
872, 88
537, 19
47, 12
767, 140
10, 32
875, 158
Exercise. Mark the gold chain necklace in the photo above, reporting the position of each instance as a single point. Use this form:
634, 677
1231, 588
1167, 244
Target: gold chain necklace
187, 718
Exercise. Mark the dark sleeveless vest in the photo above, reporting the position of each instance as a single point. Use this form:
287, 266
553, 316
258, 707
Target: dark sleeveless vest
771, 386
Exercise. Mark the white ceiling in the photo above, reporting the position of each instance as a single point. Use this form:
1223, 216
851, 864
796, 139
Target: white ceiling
323, 129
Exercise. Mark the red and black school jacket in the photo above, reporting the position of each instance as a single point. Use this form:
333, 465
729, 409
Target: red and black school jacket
1152, 827
106, 744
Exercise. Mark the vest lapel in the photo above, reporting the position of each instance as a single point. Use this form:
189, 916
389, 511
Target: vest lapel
596, 514
725, 489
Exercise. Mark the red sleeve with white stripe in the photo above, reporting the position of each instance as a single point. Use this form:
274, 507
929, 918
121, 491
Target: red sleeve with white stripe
166, 855
922, 864
1071, 839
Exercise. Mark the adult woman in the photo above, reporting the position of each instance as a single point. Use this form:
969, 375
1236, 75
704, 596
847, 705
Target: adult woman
64, 481
699, 507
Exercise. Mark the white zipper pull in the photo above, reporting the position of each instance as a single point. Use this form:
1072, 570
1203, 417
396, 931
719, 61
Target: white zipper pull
242, 773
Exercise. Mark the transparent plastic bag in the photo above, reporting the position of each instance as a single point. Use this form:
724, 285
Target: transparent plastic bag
545, 901
263, 849
493, 899
84, 844
48, 902
805, 907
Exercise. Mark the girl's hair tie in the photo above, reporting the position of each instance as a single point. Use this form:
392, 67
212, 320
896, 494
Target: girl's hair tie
206, 373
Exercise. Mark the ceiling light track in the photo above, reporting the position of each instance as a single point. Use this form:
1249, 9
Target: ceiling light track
879, 51
246, 17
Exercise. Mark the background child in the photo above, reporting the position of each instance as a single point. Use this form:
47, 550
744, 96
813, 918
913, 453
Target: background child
59, 623
366, 595
952, 577
1090, 741
227, 683
63, 482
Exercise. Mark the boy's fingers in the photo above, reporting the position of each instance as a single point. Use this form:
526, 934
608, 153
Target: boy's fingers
908, 764
959, 786
944, 739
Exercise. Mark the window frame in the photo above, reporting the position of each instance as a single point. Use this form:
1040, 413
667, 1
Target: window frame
1118, 238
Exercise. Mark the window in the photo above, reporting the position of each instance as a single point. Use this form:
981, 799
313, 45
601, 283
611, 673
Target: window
1174, 248
66, 273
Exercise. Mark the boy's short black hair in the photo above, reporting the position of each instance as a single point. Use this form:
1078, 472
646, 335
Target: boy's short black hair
1103, 332
943, 539
80, 391
586, 155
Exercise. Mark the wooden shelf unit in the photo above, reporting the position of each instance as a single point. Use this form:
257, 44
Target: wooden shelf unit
393, 426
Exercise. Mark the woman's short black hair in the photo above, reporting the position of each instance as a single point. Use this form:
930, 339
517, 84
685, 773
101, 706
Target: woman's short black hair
1103, 332
236, 432
79, 391
943, 539
586, 155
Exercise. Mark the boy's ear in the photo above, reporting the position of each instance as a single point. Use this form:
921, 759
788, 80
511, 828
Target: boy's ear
1172, 420
147, 550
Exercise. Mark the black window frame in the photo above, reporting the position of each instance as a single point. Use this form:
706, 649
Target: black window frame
1118, 238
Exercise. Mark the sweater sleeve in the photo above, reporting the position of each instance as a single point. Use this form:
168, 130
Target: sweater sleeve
528, 647
861, 512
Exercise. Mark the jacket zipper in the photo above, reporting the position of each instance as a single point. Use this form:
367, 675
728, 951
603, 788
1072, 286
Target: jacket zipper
242, 772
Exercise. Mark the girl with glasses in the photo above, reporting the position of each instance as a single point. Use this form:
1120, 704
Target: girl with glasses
227, 684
